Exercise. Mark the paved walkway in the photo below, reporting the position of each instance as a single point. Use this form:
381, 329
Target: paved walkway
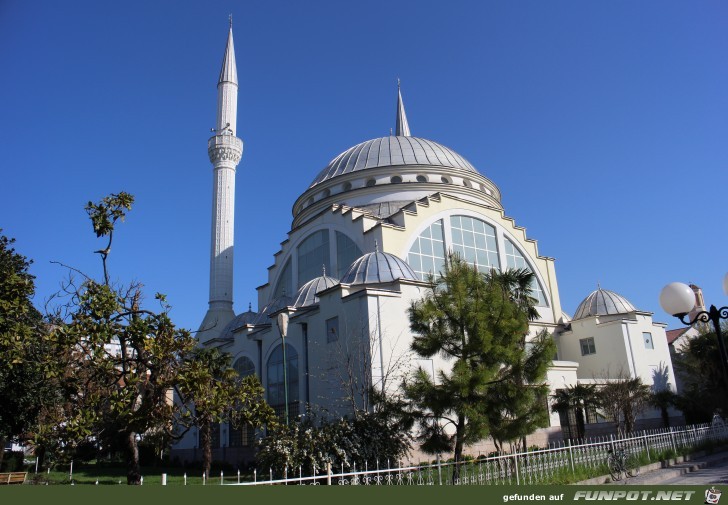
656, 474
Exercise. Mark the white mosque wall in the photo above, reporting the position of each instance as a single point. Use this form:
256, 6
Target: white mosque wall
619, 344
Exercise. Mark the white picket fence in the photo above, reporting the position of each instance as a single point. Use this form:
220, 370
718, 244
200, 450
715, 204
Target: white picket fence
532, 467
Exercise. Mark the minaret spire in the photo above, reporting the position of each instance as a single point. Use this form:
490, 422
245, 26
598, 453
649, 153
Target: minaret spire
402, 125
225, 151
229, 72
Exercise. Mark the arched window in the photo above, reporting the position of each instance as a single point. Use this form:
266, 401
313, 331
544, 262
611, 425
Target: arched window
285, 282
514, 259
421, 178
313, 254
475, 242
275, 388
427, 254
242, 435
371, 182
346, 252
396, 179
244, 366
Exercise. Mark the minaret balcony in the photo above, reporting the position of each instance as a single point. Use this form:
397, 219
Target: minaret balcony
225, 148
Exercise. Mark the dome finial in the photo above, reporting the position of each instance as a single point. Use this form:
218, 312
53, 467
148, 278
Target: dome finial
231, 20
376, 246
323, 270
403, 129
250, 307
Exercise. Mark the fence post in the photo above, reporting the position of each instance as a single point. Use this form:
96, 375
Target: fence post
515, 462
439, 469
164, 479
70, 474
571, 457
221, 477
238, 476
647, 446
328, 473
185, 478
204, 479
672, 441
611, 441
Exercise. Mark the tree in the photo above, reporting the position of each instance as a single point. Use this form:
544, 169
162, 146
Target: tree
23, 348
122, 360
703, 390
576, 398
479, 322
212, 392
623, 399
663, 400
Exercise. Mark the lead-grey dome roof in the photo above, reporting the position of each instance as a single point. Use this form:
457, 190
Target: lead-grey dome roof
392, 151
603, 303
377, 267
307, 293
273, 306
238, 322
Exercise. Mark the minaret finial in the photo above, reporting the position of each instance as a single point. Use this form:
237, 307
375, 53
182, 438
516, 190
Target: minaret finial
403, 129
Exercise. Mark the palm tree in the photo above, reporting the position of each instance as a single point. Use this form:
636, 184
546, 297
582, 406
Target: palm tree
579, 398
663, 400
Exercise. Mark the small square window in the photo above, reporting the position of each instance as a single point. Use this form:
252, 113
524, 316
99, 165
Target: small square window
332, 330
587, 346
647, 337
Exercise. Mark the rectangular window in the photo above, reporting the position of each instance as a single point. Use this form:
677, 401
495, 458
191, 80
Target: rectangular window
587, 346
332, 330
647, 337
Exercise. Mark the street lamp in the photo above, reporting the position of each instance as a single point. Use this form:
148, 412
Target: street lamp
678, 299
282, 321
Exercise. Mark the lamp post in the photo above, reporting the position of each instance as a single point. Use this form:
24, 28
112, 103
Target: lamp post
678, 299
282, 321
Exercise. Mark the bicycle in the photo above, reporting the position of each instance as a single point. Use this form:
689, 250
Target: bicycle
620, 462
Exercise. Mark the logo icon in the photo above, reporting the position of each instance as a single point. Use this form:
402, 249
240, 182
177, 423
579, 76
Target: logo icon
712, 496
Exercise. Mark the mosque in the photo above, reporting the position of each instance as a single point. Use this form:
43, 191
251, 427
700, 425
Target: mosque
382, 215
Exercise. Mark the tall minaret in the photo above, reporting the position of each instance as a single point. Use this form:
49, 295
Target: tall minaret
225, 150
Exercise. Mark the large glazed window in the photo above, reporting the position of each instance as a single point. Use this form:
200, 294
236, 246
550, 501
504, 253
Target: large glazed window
427, 254
313, 254
346, 252
514, 259
475, 242
285, 282
276, 387
244, 435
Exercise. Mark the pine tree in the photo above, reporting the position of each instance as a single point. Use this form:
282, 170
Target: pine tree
479, 322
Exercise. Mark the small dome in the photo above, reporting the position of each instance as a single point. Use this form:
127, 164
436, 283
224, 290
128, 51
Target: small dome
240, 320
273, 306
603, 303
307, 293
392, 151
377, 267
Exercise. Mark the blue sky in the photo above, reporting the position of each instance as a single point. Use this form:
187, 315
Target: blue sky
604, 124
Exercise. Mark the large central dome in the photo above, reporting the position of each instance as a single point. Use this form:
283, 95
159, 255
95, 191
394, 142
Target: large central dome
392, 151
382, 175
